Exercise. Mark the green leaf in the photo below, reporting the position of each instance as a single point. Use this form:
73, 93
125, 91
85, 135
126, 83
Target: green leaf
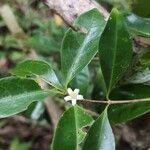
17, 94
68, 133
82, 81
101, 82
43, 44
115, 50
141, 7
38, 68
138, 25
124, 112
145, 59
79, 48
38, 111
16, 145
100, 136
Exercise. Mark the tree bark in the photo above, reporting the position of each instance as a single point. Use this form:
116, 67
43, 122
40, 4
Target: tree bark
70, 9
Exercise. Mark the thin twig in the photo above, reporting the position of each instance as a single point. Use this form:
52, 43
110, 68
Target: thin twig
111, 102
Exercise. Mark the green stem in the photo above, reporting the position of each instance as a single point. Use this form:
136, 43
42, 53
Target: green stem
111, 102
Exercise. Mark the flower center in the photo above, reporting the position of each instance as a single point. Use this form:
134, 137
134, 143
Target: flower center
74, 95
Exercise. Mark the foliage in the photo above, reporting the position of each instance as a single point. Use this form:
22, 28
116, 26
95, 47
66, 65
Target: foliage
125, 91
68, 137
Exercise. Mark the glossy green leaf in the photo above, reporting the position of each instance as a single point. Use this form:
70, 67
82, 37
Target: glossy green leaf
38, 111
38, 68
124, 112
101, 82
115, 50
80, 47
82, 81
17, 94
68, 132
100, 135
139, 25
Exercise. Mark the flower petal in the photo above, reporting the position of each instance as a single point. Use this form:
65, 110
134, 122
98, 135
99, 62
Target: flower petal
69, 90
67, 98
74, 101
76, 91
80, 97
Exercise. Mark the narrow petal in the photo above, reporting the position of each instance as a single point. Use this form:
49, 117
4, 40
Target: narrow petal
80, 97
67, 98
76, 91
69, 90
74, 101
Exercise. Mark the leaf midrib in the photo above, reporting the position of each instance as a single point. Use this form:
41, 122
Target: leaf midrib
69, 74
114, 59
23, 95
104, 115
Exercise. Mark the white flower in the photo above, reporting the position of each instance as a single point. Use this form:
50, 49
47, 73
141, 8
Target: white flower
73, 96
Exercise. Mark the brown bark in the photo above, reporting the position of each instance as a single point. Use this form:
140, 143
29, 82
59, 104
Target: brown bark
70, 9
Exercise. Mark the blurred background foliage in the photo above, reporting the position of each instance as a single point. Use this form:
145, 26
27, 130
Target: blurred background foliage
42, 32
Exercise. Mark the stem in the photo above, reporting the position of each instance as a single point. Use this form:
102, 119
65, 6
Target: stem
111, 102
